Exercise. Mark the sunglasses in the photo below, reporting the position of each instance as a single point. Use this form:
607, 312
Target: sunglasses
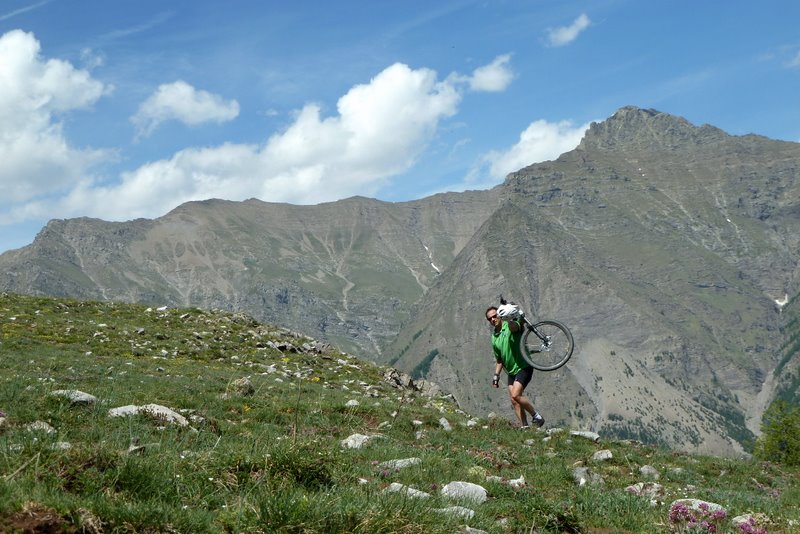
489, 318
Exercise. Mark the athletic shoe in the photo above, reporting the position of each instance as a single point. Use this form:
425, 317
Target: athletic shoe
538, 420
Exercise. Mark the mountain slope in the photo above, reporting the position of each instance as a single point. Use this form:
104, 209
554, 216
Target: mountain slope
663, 246
346, 272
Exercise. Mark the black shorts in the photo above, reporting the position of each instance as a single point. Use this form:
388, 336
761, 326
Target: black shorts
523, 377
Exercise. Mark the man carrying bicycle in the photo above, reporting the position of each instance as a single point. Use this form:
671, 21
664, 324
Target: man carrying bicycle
506, 337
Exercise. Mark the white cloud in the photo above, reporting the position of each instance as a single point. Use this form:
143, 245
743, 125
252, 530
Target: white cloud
540, 141
493, 77
380, 130
22, 10
154, 22
92, 59
35, 93
795, 62
182, 102
566, 34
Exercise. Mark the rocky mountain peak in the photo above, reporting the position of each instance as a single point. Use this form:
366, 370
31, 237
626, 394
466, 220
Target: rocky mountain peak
635, 129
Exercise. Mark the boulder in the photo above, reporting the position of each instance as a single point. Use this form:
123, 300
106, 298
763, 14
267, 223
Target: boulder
465, 491
74, 396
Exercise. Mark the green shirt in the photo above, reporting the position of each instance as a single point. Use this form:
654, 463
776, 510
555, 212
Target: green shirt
505, 345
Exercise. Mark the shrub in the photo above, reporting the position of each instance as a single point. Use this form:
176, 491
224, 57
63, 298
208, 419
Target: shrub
780, 438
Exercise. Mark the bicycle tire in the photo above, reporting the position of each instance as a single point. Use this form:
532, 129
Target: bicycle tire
549, 355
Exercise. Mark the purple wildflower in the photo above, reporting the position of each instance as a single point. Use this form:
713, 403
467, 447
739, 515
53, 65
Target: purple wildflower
719, 515
750, 527
682, 518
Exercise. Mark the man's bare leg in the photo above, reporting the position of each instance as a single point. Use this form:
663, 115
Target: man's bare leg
522, 405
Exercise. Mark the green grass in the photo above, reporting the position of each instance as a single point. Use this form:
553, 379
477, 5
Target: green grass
272, 461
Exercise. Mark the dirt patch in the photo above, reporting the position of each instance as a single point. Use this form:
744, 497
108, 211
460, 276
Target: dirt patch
35, 518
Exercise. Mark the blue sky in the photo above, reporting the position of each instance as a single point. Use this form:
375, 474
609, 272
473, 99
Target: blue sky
124, 109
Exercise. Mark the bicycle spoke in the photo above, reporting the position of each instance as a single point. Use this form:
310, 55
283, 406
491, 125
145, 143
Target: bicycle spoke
552, 350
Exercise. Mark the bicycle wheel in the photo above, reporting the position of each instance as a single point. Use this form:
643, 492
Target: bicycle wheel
547, 345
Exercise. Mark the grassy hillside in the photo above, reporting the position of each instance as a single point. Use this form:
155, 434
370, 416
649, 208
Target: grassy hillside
266, 413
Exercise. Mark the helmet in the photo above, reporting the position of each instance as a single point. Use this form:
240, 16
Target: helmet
509, 311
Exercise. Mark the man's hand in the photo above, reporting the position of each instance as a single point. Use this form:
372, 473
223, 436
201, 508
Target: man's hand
496, 381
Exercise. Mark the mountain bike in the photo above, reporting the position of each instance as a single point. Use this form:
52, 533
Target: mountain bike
547, 345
